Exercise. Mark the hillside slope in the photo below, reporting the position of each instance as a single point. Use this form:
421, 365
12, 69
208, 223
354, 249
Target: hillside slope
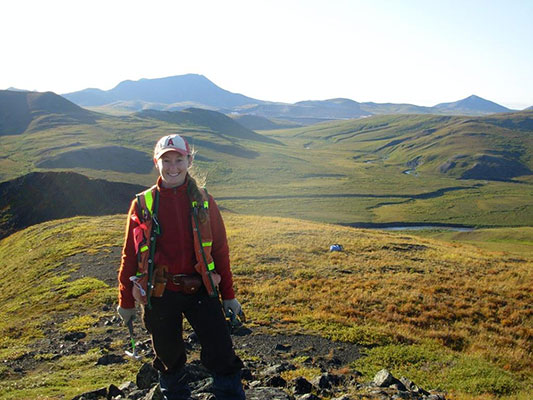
447, 316
39, 197
21, 111
498, 147
215, 121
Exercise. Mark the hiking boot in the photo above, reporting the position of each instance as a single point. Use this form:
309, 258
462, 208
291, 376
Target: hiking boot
174, 386
228, 387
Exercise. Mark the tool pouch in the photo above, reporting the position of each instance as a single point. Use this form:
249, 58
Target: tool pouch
190, 284
160, 280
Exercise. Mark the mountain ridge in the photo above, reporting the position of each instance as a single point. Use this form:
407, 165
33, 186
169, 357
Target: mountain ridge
172, 89
168, 93
473, 102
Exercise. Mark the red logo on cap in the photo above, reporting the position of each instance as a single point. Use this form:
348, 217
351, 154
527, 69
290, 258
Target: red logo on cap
170, 142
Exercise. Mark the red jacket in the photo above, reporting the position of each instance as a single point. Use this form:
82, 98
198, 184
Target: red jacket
175, 245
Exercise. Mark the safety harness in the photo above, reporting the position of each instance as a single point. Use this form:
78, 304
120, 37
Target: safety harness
146, 231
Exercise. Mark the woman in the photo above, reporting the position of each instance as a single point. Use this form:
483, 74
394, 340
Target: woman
175, 261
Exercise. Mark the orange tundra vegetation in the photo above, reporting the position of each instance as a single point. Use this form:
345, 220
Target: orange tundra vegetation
384, 288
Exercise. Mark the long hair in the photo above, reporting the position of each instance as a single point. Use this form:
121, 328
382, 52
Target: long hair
195, 181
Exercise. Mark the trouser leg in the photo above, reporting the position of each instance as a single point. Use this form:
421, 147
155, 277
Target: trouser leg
207, 319
164, 323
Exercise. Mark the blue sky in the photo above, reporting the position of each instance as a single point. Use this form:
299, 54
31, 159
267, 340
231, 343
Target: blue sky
418, 52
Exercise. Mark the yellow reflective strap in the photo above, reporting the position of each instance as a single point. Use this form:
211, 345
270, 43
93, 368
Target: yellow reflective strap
207, 244
144, 248
211, 266
149, 200
206, 204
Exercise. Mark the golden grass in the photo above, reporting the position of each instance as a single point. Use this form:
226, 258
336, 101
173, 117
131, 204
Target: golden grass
384, 287
441, 313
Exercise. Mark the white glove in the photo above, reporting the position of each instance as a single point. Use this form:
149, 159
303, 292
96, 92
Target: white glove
234, 306
126, 314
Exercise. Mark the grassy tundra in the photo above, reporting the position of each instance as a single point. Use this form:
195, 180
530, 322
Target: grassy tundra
449, 316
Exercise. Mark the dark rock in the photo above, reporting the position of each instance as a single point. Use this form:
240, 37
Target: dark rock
147, 376
74, 336
398, 386
276, 381
138, 395
282, 347
110, 359
263, 393
93, 395
411, 387
327, 381
113, 391
301, 385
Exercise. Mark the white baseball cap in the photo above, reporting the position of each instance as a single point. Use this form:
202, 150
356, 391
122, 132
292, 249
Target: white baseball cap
171, 143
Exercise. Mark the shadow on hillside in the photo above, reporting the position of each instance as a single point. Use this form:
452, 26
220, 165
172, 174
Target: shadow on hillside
112, 158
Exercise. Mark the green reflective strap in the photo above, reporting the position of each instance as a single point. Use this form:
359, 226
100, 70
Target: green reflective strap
144, 248
207, 244
149, 200
194, 203
206, 204
211, 266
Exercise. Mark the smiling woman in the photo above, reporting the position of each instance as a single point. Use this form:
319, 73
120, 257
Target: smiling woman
175, 262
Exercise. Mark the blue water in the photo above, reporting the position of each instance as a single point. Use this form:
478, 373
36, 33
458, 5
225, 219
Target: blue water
422, 227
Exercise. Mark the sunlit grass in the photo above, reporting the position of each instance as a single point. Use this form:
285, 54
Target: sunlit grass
465, 312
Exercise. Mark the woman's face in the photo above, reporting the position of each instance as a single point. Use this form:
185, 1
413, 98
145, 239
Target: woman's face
172, 167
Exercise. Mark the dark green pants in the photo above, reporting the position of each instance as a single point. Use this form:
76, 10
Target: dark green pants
164, 322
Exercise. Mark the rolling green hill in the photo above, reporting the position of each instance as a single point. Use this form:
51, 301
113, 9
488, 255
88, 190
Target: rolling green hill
488, 148
33, 111
383, 169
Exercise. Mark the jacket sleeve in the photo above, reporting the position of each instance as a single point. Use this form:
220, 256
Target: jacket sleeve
128, 264
220, 251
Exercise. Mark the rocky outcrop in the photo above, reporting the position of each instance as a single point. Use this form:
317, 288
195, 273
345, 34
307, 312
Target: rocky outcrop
264, 383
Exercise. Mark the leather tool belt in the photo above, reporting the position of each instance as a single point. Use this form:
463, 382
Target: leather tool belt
188, 284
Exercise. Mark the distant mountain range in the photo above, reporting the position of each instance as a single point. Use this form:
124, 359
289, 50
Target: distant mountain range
68, 137
192, 90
